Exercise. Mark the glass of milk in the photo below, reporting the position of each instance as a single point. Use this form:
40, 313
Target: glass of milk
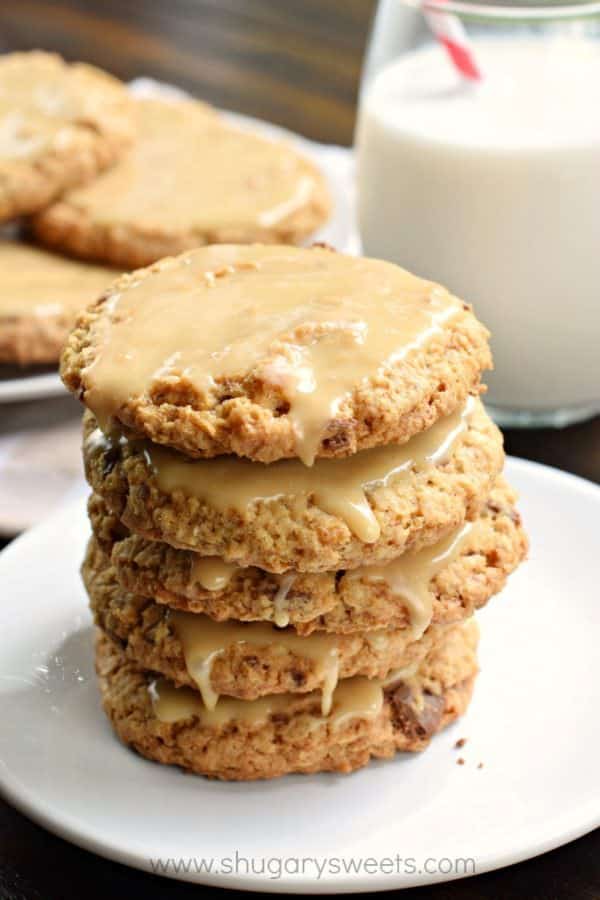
493, 187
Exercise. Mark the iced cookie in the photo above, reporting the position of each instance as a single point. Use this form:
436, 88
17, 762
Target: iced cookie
283, 733
274, 352
442, 583
40, 297
244, 659
190, 180
60, 125
337, 514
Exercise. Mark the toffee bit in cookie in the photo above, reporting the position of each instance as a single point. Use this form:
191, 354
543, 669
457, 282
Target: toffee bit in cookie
460, 761
460, 743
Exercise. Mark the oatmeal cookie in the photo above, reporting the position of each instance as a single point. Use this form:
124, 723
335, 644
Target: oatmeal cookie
336, 602
245, 740
40, 297
274, 352
244, 660
338, 514
191, 179
61, 125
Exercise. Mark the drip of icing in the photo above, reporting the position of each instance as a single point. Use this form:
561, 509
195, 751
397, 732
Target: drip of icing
409, 576
400, 674
353, 698
203, 640
337, 486
281, 615
211, 572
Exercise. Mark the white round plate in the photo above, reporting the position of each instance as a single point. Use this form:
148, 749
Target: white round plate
30, 387
533, 724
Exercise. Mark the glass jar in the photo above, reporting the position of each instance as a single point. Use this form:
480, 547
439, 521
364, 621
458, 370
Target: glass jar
492, 186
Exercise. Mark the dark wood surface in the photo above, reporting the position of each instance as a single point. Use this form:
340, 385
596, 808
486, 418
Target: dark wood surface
297, 63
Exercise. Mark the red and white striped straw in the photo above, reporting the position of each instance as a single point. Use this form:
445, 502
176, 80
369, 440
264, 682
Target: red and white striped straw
450, 32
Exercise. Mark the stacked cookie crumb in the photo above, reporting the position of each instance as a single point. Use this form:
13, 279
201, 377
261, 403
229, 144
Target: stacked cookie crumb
297, 507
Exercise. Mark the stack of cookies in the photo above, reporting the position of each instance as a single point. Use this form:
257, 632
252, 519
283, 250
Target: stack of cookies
92, 172
297, 506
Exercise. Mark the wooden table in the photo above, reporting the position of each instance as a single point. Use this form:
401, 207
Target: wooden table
295, 62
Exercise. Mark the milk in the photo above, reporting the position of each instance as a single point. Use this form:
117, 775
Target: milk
494, 190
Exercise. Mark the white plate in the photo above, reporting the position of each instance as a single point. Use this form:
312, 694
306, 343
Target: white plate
30, 387
533, 723
340, 231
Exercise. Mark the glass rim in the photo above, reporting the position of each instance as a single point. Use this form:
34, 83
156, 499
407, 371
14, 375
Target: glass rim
507, 11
